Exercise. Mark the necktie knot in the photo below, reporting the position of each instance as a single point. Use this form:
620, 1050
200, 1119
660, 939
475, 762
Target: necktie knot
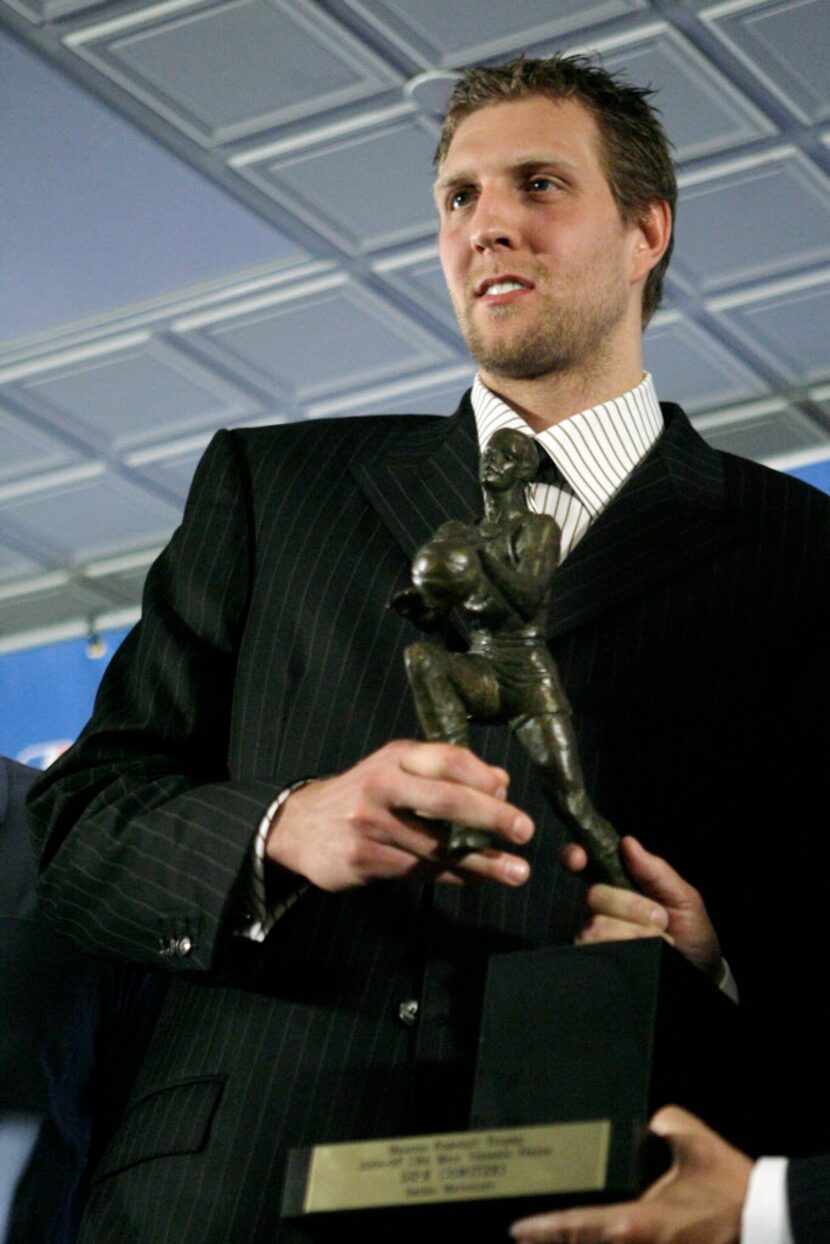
546, 471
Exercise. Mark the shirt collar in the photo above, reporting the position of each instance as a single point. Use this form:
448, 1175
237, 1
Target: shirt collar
595, 450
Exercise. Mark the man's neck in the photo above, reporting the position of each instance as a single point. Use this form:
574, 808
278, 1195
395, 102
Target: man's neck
547, 400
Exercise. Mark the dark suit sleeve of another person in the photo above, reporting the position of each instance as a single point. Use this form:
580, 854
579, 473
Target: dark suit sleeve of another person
145, 831
71, 1034
21, 1082
808, 1192
17, 866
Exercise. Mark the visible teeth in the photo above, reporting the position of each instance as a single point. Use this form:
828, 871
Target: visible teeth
503, 287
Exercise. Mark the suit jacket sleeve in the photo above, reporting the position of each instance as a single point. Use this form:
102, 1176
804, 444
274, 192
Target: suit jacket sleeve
808, 1189
17, 866
144, 833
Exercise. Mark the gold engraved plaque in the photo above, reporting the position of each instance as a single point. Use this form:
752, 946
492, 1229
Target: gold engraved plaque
458, 1166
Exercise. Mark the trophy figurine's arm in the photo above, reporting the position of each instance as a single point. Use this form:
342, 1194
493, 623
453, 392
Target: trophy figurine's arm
526, 584
410, 604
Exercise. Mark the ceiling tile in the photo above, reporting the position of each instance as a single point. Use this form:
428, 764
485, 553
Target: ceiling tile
435, 400
735, 222
135, 396
464, 31
784, 42
28, 451
49, 608
329, 339
48, 10
702, 111
173, 471
123, 587
296, 62
820, 397
15, 565
691, 367
419, 277
430, 394
786, 324
97, 215
92, 517
347, 188
779, 434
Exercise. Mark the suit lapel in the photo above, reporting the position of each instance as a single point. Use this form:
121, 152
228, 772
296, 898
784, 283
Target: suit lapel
669, 514
429, 477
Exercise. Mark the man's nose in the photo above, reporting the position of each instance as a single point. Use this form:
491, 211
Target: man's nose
495, 225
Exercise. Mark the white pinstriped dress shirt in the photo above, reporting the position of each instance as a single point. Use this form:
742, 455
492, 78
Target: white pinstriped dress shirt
594, 452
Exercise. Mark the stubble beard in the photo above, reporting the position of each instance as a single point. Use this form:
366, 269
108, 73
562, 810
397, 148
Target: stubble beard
573, 338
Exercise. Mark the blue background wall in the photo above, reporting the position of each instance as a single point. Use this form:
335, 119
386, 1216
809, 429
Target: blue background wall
46, 695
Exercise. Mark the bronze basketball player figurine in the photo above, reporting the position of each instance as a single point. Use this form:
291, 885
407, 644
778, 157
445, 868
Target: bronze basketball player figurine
498, 573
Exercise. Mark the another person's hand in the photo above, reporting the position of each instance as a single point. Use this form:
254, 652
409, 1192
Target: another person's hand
667, 906
698, 1201
382, 819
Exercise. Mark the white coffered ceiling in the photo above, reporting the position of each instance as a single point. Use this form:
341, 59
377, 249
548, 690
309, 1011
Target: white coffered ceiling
219, 214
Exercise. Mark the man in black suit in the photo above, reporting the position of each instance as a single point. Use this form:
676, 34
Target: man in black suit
19, 1113
63, 1022
248, 805
713, 1194
50, 1010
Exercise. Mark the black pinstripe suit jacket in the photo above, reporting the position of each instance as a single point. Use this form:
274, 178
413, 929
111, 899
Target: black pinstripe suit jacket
266, 654
808, 1193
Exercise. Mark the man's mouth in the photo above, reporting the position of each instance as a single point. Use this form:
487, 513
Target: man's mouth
506, 284
502, 290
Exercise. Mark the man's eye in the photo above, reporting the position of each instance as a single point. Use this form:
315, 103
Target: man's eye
459, 198
540, 183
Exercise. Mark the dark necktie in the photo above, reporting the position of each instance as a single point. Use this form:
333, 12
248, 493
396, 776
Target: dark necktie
547, 471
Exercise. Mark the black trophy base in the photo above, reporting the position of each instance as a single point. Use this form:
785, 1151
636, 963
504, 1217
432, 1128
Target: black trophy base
608, 1031
578, 1045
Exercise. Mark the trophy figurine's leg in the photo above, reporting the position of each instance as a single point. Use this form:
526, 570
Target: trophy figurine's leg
437, 678
550, 740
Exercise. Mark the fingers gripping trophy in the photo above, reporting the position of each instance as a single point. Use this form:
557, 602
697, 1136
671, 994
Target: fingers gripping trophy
498, 573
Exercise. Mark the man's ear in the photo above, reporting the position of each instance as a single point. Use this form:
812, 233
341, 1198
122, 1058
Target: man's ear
652, 237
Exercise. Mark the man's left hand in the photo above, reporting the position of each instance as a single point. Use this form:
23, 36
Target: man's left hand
666, 906
698, 1201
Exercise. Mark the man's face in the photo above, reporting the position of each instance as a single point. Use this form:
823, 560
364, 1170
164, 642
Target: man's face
536, 257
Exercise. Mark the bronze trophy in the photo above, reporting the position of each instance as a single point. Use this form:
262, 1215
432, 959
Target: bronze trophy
499, 573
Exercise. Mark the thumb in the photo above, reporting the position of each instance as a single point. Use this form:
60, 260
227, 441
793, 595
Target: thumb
696, 1148
688, 1136
655, 876
673, 1121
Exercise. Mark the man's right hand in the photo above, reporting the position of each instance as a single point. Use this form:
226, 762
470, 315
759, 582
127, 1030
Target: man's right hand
382, 820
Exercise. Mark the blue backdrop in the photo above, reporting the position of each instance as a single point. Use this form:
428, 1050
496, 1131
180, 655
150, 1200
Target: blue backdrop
46, 696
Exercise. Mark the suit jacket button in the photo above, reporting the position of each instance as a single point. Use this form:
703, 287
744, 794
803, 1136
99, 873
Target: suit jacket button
182, 947
408, 1011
